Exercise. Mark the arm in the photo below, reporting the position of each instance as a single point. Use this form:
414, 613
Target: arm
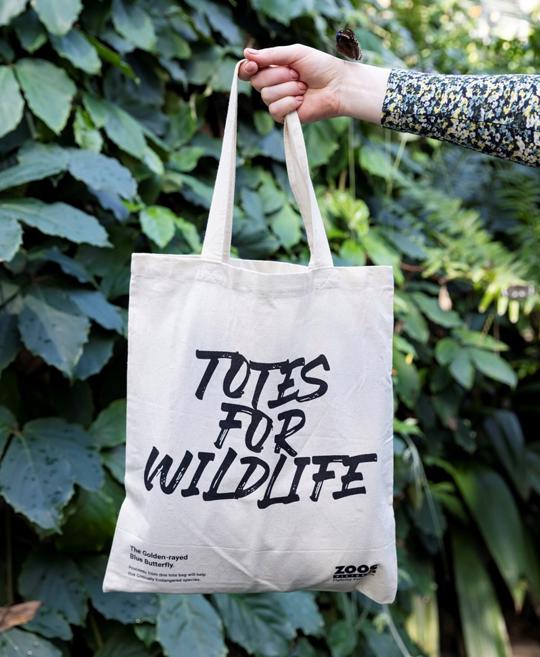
495, 114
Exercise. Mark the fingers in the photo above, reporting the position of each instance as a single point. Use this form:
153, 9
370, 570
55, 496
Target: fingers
247, 70
279, 108
284, 55
273, 75
278, 91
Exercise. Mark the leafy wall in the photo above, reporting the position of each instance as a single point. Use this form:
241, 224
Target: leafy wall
110, 120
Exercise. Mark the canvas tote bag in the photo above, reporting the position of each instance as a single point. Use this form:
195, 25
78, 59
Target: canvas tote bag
259, 413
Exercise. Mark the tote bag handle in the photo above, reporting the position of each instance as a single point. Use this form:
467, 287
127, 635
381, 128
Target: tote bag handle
218, 234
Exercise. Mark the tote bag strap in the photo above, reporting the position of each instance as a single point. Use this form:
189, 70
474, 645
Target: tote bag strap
218, 234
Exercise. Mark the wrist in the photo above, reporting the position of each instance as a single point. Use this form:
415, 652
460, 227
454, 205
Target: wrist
362, 92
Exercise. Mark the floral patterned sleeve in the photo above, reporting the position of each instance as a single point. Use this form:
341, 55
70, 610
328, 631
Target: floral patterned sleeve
495, 114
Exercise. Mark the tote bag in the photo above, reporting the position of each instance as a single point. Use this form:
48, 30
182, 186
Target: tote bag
259, 450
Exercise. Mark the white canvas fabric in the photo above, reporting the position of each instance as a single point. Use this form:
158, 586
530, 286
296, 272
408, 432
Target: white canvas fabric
259, 413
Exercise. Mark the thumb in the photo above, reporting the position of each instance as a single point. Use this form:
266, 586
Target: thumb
280, 55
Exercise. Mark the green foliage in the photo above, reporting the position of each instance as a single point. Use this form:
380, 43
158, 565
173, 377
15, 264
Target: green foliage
111, 119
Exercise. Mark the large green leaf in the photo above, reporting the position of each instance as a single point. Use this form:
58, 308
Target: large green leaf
11, 101
461, 368
48, 91
41, 466
15, 643
123, 607
55, 219
482, 621
121, 127
300, 607
188, 626
109, 428
158, 223
35, 161
91, 518
256, 623
58, 17
489, 499
78, 50
96, 354
493, 366
10, 238
431, 308
57, 335
57, 582
134, 24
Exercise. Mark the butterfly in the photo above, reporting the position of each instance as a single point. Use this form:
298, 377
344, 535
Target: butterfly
347, 44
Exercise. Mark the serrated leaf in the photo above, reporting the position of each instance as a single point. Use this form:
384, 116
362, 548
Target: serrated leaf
109, 428
256, 623
10, 238
134, 24
41, 466
48, 91
188, 626
57, 582
158, 222
58, 17
96, 354
55, 219
54, 334
15, 643
94, 305
35, 162
101, 173
11, 101
123, 607
74, 47
493, 366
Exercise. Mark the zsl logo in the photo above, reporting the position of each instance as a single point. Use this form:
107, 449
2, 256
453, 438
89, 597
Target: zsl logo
354, 572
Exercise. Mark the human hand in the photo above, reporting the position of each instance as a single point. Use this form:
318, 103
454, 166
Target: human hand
315, 84
296, 77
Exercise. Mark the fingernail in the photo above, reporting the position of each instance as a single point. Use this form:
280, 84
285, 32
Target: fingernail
302, 85
294, 75
252, 50
251, 66
299, 98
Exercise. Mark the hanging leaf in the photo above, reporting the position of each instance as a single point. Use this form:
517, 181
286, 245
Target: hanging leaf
55, 219
57, 582
483, 624
74, 47
35, 162
41, 466
101, 173
11, 101
48, 91
489, 500
256, 623
462, 369
188, 626
57, 17
431, 308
